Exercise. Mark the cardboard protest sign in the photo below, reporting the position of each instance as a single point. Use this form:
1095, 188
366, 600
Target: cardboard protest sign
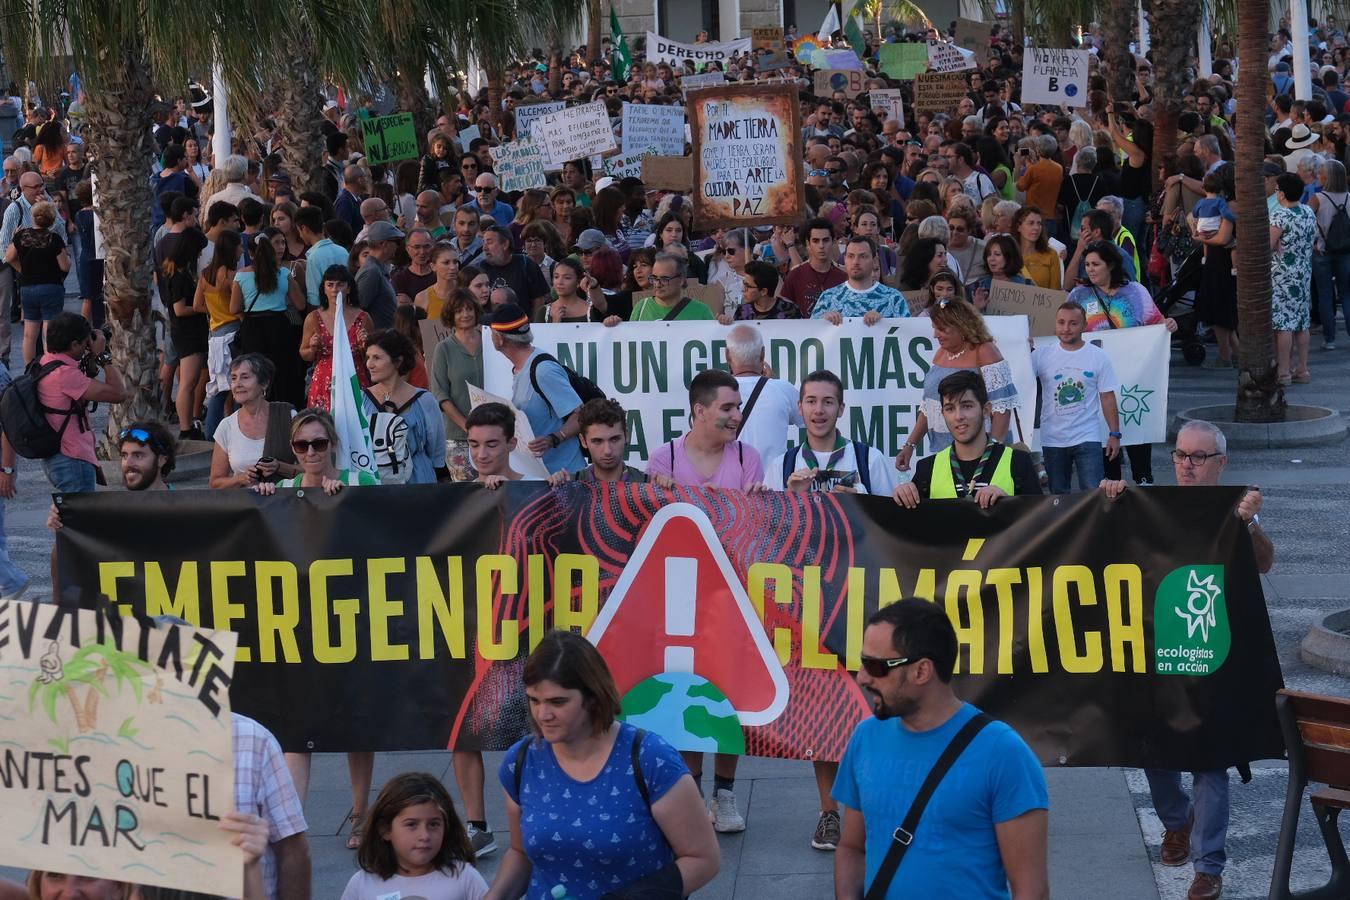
1038, 304
627, 164
574, 133
527, 114
1054, 77
713, 296
658, 127
945, 57
661, 49
836, 59
522, 460
519, 165
766, 38
904, 61
389, 138
119, 756
668, 173
890, 101
972, 34
850, 81
773, 62
433, 332
939, 91
747, 156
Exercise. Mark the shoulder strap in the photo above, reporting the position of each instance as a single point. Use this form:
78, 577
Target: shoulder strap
534, 380
789, 464
750, 405
862, 456
640, 778
674, 311
904, 835
520, 763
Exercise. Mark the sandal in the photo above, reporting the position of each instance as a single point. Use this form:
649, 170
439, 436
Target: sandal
1303, 378
1284, 380
354, 836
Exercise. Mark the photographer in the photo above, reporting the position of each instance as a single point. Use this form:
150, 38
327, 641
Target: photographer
67, 389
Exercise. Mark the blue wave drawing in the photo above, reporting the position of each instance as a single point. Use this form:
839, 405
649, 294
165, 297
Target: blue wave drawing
178, 718
184, 839
98, 737
129, 866
194, 858
87, 865
207, 754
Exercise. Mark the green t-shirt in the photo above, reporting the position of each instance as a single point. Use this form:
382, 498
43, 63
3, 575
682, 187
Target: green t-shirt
349, 477
648, 310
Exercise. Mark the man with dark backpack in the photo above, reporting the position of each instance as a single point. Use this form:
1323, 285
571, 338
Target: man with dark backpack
1331, 256
939, 799
541, 388
828, 461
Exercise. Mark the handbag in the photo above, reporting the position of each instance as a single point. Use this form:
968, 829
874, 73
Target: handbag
904, 835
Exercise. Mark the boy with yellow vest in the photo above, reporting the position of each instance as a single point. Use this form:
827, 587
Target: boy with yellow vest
975, 465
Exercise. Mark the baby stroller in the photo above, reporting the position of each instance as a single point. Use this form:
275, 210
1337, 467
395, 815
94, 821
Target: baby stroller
1172, 301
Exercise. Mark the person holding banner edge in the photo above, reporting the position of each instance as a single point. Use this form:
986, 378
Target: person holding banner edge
1196, 826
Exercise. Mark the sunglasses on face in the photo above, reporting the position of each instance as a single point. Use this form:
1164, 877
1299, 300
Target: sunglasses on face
880, 668
318, 445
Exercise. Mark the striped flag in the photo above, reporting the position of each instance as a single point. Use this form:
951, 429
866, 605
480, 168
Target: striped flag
348, 407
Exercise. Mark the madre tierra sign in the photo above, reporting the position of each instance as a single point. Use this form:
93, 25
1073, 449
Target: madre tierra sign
747, 156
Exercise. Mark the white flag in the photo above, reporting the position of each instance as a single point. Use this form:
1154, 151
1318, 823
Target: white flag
346, 403
830, 25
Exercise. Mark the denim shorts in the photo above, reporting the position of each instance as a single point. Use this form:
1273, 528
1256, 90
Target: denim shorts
42, 302
69, 475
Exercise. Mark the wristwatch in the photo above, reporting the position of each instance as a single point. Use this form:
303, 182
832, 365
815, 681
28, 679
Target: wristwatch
7, 470
1114, 434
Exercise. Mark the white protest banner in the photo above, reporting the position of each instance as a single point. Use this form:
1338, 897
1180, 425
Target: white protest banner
891, 101
647, 366
698, 82
627, 164
648, 125
519, 165
747, 156
1140, 357
119, 755
661, 49
522, 460
527, 114
1054, 77
574, 133
945, 57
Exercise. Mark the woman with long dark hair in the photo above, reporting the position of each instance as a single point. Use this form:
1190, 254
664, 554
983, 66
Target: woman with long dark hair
316, 342
269, 302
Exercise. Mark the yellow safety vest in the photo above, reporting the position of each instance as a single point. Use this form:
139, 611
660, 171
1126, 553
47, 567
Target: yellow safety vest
1120, 242
943, 487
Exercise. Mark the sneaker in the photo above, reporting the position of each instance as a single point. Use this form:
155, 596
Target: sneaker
1329, 345
484, 843
827, 831
16, 594
724, 814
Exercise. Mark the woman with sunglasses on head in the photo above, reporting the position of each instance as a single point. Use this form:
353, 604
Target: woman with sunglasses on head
728, 266
314, 441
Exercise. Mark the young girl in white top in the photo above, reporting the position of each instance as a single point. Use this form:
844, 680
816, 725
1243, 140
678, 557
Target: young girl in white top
415, 846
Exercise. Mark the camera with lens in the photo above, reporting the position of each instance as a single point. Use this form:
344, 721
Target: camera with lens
91, 363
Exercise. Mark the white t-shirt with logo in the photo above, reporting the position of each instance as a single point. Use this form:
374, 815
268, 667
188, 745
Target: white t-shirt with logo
1072, 382
880, 468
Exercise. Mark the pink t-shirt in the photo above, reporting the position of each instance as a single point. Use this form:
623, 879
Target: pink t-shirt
58, 390
741, 466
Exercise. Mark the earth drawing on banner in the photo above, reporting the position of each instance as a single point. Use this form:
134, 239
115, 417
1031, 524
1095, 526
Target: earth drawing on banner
687, 710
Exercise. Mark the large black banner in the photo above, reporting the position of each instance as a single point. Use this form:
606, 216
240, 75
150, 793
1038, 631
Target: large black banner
1107, 632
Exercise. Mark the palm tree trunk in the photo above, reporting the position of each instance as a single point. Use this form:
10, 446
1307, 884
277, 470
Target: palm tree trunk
1117, 25
593, 32
300, 122
1259, 397
554, 69
120, 143
413, 97
1019, 22
1173, 27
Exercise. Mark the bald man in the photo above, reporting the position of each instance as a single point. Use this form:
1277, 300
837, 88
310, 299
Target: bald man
429, 214
373, 210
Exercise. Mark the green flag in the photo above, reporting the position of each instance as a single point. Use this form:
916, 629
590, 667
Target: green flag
854, 34
622, 56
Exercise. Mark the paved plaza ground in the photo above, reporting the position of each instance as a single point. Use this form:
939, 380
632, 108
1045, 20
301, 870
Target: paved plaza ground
1104, 837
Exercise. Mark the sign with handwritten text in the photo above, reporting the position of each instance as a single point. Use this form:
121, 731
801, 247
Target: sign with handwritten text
574, 133
389, 138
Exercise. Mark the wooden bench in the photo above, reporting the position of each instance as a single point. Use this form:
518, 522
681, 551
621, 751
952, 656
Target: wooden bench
1316, 732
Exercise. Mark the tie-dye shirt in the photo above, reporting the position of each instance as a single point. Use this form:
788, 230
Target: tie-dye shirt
1131, 305
853, 304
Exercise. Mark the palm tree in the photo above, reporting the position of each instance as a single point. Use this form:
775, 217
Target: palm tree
1174, 26
88, 667
1259, 396
1117, 26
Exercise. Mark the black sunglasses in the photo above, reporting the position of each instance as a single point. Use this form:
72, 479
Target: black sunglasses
880, 668
318, 445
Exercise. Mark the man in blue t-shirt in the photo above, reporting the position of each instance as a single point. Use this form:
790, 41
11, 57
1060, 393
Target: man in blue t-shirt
541, 389
984, 828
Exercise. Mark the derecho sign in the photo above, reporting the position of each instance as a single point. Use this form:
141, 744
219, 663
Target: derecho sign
118, 760
747, 156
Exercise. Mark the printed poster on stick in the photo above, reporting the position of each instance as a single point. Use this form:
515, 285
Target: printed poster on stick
119, 754
939, 91
1054, 77
574, 133
850, 81
747, 156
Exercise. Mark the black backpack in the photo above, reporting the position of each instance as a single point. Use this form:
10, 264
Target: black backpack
584, 387
1337, 236
860, 462
24, 417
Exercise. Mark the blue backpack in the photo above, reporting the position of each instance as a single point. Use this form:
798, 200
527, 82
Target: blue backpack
860, 454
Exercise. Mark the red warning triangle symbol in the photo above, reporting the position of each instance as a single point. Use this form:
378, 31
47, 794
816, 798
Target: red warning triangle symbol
678, 606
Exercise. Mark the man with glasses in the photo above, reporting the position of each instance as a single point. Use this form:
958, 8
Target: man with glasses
1196, 827
757, 296
373, 210
668, 302
485, 200
985, 829
416, 276
961, 163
